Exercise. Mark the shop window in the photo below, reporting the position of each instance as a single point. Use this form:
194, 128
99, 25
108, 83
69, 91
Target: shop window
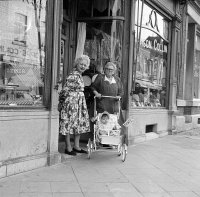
150, 60
196, 71
99, 35
22, 53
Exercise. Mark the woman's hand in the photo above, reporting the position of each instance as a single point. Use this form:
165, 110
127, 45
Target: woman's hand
118, 97
98, 95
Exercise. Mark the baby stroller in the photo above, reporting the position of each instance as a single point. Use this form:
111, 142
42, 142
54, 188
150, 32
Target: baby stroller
110, 137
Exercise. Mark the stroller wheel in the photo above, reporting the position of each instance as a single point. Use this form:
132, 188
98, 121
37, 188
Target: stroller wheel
123, 152
89, 148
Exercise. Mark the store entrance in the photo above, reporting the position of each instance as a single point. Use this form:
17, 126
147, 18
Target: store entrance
65, 59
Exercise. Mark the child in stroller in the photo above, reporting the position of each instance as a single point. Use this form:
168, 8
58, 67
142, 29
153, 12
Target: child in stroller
106, 125
107, 133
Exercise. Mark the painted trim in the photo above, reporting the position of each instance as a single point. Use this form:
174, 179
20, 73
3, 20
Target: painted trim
191, 103
161, 8
107, 18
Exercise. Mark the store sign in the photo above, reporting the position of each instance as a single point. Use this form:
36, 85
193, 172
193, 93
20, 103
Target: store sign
153, 21
154, 44
19, 52
16, 70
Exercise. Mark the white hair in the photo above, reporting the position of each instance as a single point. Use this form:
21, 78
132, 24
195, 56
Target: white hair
81, 58
111, 64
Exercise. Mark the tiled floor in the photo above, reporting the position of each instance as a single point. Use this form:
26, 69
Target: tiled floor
164, 167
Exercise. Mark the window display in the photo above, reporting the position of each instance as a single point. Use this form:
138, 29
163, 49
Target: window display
22, 43
102, 42
151, 57
99, 35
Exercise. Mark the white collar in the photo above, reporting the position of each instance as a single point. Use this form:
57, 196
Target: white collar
110, 81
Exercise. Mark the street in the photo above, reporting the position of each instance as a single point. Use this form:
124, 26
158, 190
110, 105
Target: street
163, 167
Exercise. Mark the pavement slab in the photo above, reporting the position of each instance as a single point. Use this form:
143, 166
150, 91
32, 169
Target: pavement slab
163, 167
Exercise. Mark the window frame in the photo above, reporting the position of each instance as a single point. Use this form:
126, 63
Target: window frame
198, 97
168, 19
46, 93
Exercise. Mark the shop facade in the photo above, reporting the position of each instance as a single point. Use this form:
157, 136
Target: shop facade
188, 98
153, 85
39, 41
28, 74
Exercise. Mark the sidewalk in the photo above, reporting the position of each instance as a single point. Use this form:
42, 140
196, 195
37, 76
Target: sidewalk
163, 167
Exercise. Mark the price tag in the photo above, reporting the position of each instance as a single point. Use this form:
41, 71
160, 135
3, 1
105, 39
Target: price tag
128, 122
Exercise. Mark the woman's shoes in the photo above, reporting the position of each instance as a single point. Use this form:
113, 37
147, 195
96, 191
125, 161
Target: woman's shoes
73, 153
79, 151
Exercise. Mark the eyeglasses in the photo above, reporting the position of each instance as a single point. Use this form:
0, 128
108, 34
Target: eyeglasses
109, 69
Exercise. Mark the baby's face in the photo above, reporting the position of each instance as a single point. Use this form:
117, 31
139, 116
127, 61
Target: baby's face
104, 120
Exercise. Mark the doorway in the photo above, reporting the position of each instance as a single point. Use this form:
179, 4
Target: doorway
66, 54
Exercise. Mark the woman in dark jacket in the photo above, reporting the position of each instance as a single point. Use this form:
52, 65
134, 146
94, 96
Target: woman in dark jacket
107, 85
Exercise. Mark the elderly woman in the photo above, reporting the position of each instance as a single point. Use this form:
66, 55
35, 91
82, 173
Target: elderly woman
74, 117
107, 85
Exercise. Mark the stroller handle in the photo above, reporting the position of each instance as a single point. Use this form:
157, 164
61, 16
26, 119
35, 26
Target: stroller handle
115, 97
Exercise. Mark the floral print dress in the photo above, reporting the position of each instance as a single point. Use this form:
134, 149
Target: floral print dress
74, 118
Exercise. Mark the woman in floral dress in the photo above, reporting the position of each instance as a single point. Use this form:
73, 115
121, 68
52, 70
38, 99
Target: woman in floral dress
74, 117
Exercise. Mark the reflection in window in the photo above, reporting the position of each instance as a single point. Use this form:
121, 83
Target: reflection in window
22, 52
20, 27
150, 75
197, 69
101, 42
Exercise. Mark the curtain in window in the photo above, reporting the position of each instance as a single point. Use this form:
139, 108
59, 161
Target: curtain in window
116, 37
81, 36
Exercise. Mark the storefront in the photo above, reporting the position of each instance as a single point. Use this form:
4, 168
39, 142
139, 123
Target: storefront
28, 74
39, 41
153, 85
188, 95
